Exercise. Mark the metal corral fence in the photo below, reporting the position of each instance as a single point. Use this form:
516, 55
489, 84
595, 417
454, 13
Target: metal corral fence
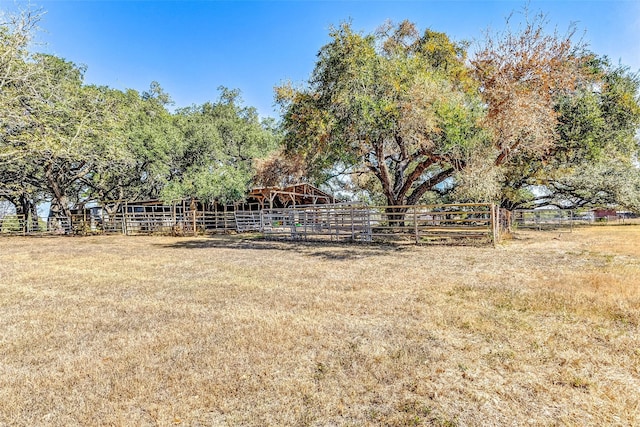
545, 219
363, 223
162, 220
24, 225
165, 220
353, 222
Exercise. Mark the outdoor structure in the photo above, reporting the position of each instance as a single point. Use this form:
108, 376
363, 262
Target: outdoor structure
322, 222
605, 214
297, 212
329, 222
177, 217
363, 223
291, 196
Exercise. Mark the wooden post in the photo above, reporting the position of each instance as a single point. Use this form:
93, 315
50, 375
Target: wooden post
415, 225
493, 224
306, 220
194, 208
353, 228
571, 221
498, 230
224, 218
215, 214
124, 219
174, 219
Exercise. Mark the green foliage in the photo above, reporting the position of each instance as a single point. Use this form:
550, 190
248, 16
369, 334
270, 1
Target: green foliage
523, 122
593, 159
73, 143
144, 135
218, 143
391, 103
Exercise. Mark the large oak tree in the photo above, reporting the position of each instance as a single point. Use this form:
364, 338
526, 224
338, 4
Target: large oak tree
396, 104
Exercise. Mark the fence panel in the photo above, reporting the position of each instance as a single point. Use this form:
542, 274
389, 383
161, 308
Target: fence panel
247, 221
348, 221
367, 223
149, 223
326, 222
212, 222
13, 224
21, 224
546, 219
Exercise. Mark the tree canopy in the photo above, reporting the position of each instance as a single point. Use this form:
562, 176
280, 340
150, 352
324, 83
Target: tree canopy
593, 161
70, 143
529, 118
409, 116
394, 104
217, 146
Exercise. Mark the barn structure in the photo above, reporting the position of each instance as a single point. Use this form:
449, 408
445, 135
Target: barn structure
291, 196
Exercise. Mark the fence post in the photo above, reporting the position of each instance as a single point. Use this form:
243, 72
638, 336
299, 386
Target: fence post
353, 226
306, 220
493, 224
224, 217
498, 228
174, 220
124, 219
261, 213
292, 223
415, 224
571, 221
193, 221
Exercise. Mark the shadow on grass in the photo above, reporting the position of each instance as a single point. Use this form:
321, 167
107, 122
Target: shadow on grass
335, 251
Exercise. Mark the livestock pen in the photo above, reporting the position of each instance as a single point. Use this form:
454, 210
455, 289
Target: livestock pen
358, 222
334, 222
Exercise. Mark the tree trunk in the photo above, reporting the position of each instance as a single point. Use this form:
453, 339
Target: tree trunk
395, 216
21, 213
24, 209
34, 216
59, 197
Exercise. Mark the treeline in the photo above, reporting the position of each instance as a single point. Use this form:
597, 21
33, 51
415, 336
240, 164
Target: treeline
69, 143
397, 116
529, 119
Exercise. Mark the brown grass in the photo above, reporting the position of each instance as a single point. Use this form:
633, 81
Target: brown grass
543, 330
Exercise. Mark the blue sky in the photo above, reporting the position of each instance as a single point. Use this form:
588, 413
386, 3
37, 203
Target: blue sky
192, 47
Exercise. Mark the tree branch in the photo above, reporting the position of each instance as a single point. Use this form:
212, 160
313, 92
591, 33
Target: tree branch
422, 188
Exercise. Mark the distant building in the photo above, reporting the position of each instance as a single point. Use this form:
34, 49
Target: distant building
605, 214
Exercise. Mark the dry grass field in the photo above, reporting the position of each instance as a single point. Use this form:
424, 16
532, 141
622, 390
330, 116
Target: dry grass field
542, 330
